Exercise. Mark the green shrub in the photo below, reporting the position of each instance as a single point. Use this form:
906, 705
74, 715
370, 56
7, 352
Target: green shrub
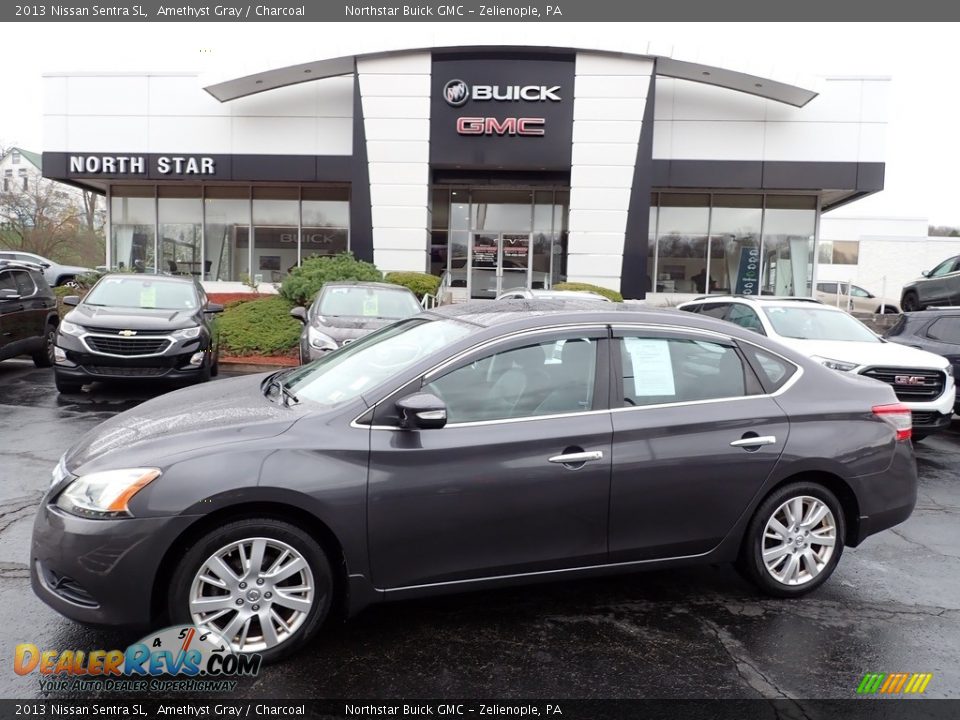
419, 284
259, 327
303, 282
587, 287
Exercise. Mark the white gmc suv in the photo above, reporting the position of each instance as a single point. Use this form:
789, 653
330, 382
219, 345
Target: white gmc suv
922, 381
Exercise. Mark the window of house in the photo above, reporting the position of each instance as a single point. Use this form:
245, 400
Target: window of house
15, 157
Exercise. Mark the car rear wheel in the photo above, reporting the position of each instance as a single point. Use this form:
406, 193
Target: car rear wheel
794, 541
263, 584
43, 358
911, 303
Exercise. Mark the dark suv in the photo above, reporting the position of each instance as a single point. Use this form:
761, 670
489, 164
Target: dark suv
936, 331
28, 313
137, 326
940, 286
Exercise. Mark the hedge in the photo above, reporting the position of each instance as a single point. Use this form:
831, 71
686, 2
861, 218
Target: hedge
303, 283
587, 287
419, 283
259, 327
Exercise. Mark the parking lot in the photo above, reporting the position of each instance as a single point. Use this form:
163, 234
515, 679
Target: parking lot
892, 606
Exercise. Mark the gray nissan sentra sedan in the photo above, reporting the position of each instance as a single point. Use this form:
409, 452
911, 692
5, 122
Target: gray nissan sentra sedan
471, 447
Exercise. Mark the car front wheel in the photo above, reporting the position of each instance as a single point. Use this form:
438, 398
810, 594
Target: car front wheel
794, 541
44, 357
266, 586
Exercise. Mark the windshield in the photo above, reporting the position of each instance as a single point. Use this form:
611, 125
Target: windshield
362, 365
367, 302
143, 292
817, 323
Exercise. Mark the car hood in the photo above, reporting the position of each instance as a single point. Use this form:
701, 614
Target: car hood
868, 353
349, 328
92, 316
224, 411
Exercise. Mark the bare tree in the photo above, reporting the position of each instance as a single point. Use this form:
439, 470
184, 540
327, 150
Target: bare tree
43, 218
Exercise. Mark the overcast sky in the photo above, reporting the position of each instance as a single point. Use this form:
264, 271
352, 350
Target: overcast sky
923, 147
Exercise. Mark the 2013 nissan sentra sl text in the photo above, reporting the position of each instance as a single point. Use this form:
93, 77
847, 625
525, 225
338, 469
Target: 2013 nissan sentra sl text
470, 447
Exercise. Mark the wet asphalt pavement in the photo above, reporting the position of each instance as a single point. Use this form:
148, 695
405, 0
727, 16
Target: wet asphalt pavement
892, 605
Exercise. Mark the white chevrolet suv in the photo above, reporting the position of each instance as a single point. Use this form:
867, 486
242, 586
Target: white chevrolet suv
922, 381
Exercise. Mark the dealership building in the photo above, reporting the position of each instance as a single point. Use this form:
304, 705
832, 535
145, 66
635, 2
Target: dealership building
494, 167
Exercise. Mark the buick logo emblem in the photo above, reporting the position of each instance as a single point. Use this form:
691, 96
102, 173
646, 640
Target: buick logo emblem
456, 93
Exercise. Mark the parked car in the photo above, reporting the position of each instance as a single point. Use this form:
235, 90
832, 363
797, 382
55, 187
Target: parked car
940, 286
853, 298
28, 313
143, 327
524, 293
55, 273
346, 310
936, 331
451, 451
924, 382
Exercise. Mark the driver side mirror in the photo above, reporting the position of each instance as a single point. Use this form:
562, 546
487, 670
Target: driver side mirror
72, 300
300, 313
925, 273
213, 308
423, 411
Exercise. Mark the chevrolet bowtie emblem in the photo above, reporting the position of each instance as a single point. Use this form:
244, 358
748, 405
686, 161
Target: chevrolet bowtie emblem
127, 333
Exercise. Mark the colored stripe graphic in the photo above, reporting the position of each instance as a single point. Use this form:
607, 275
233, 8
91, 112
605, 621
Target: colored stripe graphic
894, 683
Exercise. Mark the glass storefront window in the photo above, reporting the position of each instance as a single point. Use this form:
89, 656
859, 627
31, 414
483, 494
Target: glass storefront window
227, 211
682, 242
132, 228
439, 224
275, 237
501, 210
652, 243
735, 244
789, 224
180, 213
325, 221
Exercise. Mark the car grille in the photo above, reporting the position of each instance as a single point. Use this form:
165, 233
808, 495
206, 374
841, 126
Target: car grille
117, 331
127, 346
930, 384
125, 371
67, 588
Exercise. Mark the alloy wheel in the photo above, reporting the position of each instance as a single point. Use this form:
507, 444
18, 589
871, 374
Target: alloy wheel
256, 592
799, 540
51, 345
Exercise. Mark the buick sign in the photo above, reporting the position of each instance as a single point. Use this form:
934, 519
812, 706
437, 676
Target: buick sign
456, 93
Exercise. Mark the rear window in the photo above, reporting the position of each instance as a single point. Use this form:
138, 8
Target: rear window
946, 330
774, 371
349, 301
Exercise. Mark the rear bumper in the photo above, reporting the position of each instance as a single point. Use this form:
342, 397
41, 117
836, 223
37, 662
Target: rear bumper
886, 498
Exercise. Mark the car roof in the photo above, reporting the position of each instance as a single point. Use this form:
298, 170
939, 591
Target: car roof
21, 265
366, 284
144, 276
758, 299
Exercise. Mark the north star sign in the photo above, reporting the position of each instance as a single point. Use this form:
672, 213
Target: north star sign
137, 165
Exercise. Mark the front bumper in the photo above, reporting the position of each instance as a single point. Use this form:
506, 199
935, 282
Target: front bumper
83, 365
99, 572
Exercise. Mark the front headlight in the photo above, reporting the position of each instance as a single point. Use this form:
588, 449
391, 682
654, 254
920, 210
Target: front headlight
949, 370
68, 328
105, 494
840, 365
319, 340
187, 333
59, 472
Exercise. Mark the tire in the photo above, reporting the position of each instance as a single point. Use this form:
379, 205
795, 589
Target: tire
275, 537
887, 310
215, 367
44, 357
821, 557
910, 302
66, 386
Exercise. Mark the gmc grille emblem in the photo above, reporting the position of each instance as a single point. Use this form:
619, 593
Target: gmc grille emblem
909, 380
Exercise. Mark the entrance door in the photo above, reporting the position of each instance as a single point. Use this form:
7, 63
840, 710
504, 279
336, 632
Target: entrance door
498, 262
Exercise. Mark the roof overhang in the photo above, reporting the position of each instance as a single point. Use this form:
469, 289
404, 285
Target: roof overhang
666, 66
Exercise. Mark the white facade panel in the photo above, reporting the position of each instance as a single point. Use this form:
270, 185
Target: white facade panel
397, 129
609, 108
611, 221
597, 243
598, 131
409, 195
594, 265
394, 64
274, 136
55, 96
838, 101
662, 139
605, 154
725, 140
108, 134
179, 95
401, 238
697, 101
399, 260
810, 141
395, 85
294, 101
397, 150
399, 173
611, 86
873, 142
201, 135
396, 107
875, 101
108, 95
391, 216
589, 198
602, 176
334, 136
589, 63
664, 91
55, 133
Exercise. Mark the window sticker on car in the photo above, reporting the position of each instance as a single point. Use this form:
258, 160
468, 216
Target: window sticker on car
652, 368
148, 296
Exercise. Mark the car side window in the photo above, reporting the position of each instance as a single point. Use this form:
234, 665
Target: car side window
773, 371
24, 282
547, 378
830, 288
947, 266
714, 310
746, 317
7, 282
859, 292
660, 370
946, 330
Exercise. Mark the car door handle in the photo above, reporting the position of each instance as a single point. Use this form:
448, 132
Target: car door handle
754, 441
577, 457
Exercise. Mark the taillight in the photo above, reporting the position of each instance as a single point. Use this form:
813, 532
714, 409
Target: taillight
897, 415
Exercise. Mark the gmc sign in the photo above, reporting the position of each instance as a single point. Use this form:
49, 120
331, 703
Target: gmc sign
493, 126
